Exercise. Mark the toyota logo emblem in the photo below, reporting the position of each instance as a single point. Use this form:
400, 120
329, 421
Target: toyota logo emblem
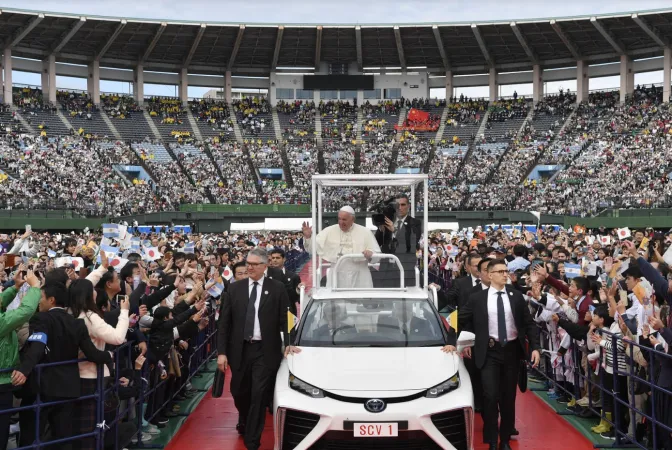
375, 405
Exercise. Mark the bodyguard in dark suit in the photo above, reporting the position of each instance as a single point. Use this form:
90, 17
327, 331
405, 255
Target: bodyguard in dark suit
249, 340
399, 238
55, 330
290, 279
501, 321
462, 288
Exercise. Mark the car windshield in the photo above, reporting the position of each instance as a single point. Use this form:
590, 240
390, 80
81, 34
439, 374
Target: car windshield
370, 323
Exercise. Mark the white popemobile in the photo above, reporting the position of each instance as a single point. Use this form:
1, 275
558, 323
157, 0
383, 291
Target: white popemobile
371, 373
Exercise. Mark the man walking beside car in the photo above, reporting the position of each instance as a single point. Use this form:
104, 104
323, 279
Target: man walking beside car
501, 321
249, 340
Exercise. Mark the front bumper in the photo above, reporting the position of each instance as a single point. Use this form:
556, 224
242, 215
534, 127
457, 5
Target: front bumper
302, 422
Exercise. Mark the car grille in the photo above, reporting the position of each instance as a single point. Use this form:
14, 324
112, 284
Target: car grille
297, 426
344, 440
452, 425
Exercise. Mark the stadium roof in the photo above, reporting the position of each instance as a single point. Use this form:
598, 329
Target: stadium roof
255, 49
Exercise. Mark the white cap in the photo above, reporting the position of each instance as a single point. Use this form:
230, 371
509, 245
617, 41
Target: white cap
347, 209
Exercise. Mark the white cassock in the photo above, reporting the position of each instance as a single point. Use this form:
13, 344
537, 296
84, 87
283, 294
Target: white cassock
332, 243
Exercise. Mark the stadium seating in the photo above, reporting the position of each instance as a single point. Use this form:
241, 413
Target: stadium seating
588, 143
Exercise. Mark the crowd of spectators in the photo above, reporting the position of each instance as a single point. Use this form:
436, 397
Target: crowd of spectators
607, 155
253, 115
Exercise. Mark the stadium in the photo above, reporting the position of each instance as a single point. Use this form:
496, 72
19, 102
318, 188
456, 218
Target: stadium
524, 158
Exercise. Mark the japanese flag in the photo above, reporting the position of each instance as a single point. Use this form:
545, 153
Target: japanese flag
452, 250
227, 274
605, 240
624, 233
118, 263
77, 263
152, 253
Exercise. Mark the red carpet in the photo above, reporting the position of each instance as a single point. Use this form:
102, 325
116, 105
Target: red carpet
212, 426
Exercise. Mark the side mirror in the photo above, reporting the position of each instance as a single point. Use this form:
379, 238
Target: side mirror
464, 340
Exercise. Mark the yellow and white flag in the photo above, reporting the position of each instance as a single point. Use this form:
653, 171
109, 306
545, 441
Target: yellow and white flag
452, 320
291, 321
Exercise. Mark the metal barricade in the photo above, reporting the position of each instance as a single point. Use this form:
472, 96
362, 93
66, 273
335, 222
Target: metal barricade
623, 439
202, 351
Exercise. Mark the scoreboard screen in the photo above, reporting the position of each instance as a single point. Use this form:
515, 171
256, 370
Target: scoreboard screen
351, 82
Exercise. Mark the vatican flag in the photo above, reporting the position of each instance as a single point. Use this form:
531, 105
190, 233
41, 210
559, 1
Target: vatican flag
291, 321
452, 320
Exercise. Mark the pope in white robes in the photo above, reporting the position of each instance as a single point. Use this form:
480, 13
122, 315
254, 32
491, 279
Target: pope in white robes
345, 238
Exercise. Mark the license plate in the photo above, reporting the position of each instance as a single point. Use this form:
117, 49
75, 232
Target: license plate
379, 429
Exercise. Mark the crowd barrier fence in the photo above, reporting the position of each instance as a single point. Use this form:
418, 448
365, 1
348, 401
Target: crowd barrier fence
202, 350
581, 378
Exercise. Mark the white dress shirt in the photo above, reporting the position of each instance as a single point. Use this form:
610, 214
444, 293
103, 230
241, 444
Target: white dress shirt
493, 325
474, 280
256, 335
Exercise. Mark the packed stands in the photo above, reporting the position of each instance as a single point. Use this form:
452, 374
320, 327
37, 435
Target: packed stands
255, 118
297, 120
586, 144
378, 120
463, 119
170, 118
212, 118
339, 120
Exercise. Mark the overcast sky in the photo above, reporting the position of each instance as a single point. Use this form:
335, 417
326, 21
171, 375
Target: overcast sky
323, 12
341, 11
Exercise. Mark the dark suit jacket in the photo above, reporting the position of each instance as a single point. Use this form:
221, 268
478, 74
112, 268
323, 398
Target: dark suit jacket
459, 292
272, 315
474, 317
63, 335
289, 282
413, 226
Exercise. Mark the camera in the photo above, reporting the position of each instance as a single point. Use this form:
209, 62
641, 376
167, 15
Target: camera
384, 209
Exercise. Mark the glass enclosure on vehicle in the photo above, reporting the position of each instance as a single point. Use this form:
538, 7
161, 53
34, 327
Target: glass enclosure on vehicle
371, 322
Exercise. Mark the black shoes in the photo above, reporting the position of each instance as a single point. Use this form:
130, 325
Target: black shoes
514, 432
240, 428
504, 446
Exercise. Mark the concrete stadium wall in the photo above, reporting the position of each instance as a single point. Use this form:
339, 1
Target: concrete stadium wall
213, 222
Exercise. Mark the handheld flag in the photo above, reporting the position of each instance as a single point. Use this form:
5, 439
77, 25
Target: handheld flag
605, 240
189, 247
152, 253
114, 231
227, 274
645, 243
118, 263
624, 233
291, 321
452, 320
51, 253
216, 289
572, 270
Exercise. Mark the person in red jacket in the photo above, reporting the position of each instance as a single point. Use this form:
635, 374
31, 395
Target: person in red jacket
577, 290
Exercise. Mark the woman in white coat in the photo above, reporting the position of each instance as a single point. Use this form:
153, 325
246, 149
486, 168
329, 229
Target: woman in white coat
83, 306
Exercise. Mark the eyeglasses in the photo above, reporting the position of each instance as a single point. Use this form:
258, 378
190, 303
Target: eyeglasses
253, 264
500, 272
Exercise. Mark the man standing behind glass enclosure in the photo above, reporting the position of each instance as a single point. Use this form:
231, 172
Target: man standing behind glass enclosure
345, 238
401, 239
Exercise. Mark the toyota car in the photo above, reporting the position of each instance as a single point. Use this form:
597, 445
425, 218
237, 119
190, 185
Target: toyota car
371, 375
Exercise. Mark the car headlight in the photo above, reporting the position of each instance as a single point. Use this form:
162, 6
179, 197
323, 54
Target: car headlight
305, 388
440, 389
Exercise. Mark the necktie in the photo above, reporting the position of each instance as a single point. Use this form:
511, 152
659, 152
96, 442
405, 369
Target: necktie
501, 320
399, 222
251, 313
477, 282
